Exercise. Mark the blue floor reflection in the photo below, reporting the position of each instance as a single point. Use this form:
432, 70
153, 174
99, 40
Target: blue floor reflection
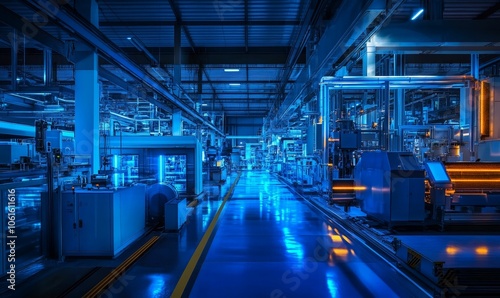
270, 244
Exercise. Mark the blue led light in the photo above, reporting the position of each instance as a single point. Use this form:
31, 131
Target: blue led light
417, 14
161, 167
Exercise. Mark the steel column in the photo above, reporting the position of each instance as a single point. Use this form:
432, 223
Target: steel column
177, 55
177, 123
47, 67
87, 93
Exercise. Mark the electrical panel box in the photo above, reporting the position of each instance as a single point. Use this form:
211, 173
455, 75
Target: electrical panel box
102, 222
54, 137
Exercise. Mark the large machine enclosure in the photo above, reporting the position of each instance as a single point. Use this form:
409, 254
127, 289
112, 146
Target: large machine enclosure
101, 222
391, 187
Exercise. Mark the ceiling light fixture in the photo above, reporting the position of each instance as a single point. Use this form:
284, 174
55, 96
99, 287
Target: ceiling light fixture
231, 69
417, 14
234, 84
204, 104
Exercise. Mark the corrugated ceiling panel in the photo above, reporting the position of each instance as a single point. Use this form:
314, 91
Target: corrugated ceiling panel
274, 9
270, 35
218, 36
211, 10
151, 36
144, 10
462, 9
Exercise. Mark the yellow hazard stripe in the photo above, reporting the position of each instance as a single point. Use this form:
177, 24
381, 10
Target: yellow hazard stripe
188, 271
118, 271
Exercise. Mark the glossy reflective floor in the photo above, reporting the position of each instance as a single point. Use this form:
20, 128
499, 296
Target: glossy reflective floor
270, 244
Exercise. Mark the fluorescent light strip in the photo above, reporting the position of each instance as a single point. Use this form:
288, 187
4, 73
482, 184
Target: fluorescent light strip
231, 69
234, 84
417, 14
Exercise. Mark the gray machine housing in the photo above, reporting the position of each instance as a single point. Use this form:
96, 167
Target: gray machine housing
393, 187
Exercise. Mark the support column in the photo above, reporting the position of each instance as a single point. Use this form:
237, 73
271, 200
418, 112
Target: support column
177, 57
369, 60
87, 92
474, 65
47, 67
14, 48
212, 133
324, 103
387, 126
399, 105
177, 123
200, 89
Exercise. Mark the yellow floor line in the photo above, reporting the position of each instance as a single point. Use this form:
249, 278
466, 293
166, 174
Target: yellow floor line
188, 271
118, 271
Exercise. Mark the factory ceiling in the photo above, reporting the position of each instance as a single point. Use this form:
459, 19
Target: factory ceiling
237, 58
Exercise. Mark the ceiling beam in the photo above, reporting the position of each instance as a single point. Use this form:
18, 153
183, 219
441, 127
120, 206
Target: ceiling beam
130, 24
487, 13
236, 81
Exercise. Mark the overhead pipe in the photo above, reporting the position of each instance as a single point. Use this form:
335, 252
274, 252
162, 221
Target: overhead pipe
407, 82
243, 137
106, 48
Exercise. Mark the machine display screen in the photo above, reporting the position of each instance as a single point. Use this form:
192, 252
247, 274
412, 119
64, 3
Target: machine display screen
438, 172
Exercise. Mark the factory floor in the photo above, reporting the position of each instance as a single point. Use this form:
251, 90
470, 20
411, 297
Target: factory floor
263, 241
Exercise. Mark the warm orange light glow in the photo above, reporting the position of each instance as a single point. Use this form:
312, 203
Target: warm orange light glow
473, 170
475, 180
349, 188
482, 250
340, 252
333, 140
329, 228
451, 250
352, 252
335, 238
336, 231
346, 239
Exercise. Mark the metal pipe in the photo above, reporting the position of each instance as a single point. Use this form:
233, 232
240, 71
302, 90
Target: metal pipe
408, 82
243, 137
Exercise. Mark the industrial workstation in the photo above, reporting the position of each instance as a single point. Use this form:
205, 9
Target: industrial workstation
250, 148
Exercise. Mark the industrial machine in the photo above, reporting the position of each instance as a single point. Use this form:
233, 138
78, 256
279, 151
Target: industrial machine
464, 192
101, 222
174, 159
215, 166
390, 187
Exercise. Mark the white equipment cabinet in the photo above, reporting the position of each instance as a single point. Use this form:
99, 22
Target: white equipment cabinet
102, 222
